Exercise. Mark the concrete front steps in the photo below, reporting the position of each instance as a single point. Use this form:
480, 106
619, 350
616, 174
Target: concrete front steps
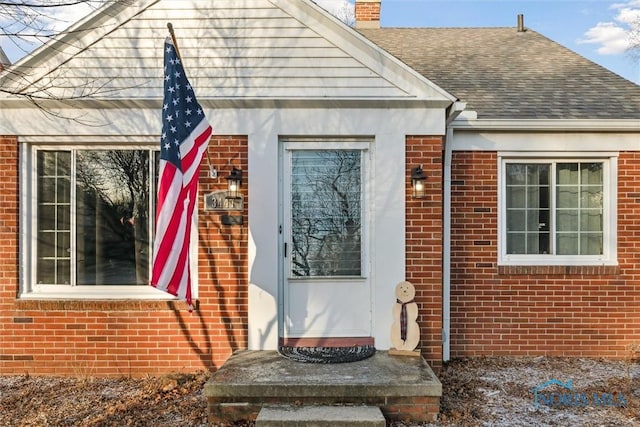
320, 416
403, 388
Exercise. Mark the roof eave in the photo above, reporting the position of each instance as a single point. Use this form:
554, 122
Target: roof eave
469, 123
246, 103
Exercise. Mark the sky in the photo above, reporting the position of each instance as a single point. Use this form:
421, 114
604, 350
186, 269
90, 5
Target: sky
596, 29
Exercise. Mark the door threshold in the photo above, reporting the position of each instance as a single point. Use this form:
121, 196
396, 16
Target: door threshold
327, 342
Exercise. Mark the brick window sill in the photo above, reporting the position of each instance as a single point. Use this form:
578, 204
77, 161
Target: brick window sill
582, 270
99, 305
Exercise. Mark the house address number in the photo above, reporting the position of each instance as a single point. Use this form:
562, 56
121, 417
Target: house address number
220, 201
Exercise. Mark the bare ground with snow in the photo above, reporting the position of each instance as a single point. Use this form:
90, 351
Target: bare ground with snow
497, 391
501, 392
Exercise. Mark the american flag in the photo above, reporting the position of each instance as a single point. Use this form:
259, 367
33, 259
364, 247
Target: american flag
185, 136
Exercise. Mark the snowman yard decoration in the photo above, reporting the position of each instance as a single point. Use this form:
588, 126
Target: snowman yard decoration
405, 332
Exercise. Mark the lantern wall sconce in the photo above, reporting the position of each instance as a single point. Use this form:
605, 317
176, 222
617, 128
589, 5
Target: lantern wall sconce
230, 199
417, 182
234, 181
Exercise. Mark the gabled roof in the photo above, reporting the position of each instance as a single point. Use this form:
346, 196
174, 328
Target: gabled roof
238, 50
505, 74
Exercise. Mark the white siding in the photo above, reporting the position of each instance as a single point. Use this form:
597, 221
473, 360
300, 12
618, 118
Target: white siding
230, 49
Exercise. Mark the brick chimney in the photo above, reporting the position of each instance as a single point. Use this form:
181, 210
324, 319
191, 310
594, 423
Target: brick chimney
368, 13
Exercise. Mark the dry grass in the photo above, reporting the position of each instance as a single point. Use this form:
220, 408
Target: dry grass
477, 392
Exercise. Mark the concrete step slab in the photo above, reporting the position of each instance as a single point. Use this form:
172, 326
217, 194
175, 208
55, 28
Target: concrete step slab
404, 388
267, 374
320, 416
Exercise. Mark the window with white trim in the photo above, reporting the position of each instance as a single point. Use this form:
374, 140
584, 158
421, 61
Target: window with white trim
557, 211
91, 218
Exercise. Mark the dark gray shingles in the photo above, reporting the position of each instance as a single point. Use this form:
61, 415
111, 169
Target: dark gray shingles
504, 74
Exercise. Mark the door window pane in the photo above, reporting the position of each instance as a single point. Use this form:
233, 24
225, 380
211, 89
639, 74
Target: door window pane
326, 213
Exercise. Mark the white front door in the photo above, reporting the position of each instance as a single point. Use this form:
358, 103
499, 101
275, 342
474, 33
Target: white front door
326, 289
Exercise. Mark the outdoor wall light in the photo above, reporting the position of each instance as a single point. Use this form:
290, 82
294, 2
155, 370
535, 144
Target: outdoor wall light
417, 182
234, 181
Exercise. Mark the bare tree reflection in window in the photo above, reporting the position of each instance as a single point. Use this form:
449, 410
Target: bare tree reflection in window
326, 213
112, 217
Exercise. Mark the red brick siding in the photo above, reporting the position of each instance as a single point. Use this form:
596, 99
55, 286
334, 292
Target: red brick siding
424, 242
9, 247
113, 338
552, 310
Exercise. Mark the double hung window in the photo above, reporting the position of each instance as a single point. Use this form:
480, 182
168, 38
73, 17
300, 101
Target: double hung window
557, 211
91, 221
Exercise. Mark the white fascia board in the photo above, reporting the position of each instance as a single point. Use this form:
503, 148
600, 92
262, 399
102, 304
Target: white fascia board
467, 121
72, 41
139, 125
94, 103
545, 135
533, 141
363, 49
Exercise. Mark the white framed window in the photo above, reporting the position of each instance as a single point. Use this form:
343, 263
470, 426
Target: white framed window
557, 210
88, 218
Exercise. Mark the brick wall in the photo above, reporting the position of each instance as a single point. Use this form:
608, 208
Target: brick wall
424, 242
9, 259
114, 338
553, 310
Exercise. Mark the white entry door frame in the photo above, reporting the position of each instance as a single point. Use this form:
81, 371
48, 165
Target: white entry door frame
326, 287
384, 130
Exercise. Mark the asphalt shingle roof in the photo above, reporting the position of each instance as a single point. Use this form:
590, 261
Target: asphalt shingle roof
505, 74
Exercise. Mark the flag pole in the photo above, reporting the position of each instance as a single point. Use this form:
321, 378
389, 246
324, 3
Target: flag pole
173, 38
213, 173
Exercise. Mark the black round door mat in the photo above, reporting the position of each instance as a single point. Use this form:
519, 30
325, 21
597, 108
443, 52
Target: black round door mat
327, 354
